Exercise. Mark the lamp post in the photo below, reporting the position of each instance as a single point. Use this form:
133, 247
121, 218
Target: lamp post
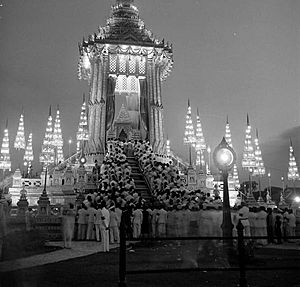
282, 181
269, 183
224, 158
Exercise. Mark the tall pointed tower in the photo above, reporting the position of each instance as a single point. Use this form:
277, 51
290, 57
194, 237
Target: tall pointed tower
124, 65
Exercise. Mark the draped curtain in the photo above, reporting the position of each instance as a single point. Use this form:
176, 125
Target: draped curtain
144, 105
110, 102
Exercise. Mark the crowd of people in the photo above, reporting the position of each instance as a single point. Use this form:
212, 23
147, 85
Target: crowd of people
167, 186
276, 224
174, 210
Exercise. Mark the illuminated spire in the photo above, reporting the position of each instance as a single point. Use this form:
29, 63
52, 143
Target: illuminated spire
248, 160
57, 138
228, 133
20, 138
47, 154
5, 162
28, 156
259, 168
82, 133
200, 142
189, 134
293, 173
235, 174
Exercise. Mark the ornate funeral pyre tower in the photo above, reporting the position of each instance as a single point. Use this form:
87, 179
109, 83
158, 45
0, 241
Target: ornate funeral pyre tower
124, 66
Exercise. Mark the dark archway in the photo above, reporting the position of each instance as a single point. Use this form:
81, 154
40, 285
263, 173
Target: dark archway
123, 136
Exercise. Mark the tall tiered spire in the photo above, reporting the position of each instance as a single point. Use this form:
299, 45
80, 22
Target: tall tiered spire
200, 145
57, 138
28, 156
189, 134
248, 160
20, 138
228, 133
5, 163
47, 154
228, 139
293, 173
82, 133
259, 168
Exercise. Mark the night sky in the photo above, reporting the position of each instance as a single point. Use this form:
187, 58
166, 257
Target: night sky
231, 57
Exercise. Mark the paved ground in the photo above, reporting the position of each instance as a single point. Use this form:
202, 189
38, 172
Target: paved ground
85, 265
79, 249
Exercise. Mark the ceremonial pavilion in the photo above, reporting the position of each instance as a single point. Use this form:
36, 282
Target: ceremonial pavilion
124, 66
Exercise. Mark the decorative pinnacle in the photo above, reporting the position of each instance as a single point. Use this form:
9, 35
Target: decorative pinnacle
189, 103
57, 107
50, 111
257, 133
248, 124
198, 112
291, 142
6, 124
83, 98
227, 122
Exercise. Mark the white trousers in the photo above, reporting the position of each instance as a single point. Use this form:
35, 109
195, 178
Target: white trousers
98, 232
136, 230
114, 234
104, 239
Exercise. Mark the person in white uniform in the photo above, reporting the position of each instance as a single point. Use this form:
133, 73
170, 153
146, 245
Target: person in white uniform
104, 227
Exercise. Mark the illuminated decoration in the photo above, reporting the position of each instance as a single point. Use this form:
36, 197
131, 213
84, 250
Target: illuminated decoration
228, 133
47, 153
82, 133
293, 173
189, 134
228, 139
235, 176
20, 138
5, 163
259, 168
168, 148
28, 156
123, 58
200, 145
57, 140
248, 160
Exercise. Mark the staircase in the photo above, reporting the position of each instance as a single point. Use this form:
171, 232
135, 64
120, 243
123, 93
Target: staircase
141, 185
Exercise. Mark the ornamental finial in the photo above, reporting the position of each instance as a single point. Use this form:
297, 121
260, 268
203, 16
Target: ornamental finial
189, 103
50, 111
248, 124
227, 121
257, 133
